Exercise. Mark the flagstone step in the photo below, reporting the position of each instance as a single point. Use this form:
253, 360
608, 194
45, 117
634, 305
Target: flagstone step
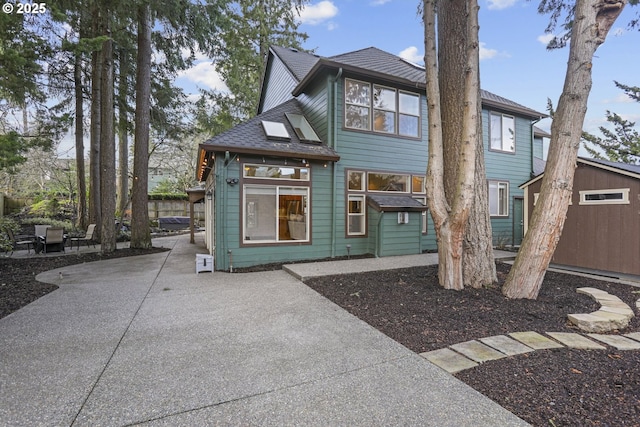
613, 313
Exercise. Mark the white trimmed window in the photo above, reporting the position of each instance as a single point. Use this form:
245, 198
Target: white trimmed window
499, 198
617, 196
502, 132
356, 215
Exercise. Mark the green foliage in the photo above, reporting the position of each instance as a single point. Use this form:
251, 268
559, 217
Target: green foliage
47, 208
168, 196
622, 144
66, 224
7, 223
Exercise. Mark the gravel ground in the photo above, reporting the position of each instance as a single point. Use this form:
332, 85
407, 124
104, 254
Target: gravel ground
546, 388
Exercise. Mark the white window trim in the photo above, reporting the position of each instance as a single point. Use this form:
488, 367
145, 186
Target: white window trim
502, 148
508, 199
623, 201
363, 214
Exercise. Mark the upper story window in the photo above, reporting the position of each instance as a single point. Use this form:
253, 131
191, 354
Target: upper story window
381, 109
502, 132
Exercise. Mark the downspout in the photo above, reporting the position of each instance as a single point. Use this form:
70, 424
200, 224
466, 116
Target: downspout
223, 210
533, 140
379, 234
333, 134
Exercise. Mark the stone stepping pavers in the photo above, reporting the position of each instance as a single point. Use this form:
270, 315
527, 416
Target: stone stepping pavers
535, 340
470, 354
613, 313
618, 341
575, 341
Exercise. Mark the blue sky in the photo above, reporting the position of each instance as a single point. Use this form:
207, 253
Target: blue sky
514, 60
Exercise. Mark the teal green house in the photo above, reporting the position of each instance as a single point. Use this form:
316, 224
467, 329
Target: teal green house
334, 163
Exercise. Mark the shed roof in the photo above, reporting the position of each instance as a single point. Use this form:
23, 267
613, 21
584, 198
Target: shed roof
395, 203
626, 169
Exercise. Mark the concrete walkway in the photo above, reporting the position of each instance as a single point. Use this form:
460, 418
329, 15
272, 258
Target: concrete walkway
148, 341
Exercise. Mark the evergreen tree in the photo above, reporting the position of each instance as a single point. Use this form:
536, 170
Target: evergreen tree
622, 144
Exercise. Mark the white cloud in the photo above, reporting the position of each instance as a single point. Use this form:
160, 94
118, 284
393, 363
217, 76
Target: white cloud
412, 54
500, 4
545, 39
486, 53
379, 2
318, 13
205, 75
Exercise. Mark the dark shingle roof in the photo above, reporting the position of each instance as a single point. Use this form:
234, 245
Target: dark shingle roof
299, 63
394, 203
249, 137
616, 165
375, 62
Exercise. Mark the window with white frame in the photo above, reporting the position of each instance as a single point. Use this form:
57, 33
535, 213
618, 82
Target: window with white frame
502, 132
499, 198
617, 196
381, 109
356, 215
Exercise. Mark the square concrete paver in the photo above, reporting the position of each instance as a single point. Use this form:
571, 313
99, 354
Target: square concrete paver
449, 360
506, 345
617, 341
477, 351
575, 340
535, 340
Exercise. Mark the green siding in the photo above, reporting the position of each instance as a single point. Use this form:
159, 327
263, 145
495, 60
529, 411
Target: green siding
388, 238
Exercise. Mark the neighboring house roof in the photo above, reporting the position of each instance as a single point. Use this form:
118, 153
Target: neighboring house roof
538, 166
540, 133
626, 169
249, 137
394, 203
377, 63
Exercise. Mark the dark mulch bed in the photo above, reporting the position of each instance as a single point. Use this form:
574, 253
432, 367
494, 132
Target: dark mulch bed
18, 286
546, 388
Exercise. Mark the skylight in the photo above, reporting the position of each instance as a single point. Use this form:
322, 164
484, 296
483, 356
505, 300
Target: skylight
275, 130
302, 127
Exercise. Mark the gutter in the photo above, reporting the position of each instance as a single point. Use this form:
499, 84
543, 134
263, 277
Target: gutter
333, 134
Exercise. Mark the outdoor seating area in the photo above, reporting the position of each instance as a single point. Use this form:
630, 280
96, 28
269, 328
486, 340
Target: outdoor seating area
48, 239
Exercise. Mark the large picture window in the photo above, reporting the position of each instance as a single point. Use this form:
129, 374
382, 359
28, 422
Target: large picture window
381, 109
499, 198
502, 132
275, 214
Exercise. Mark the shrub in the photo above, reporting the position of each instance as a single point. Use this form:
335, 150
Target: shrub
7, 223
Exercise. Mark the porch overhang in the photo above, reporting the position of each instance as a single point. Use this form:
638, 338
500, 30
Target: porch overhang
395, 203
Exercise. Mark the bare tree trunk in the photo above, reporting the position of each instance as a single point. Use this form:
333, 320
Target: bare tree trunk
123, 138
94, 149
477, 262
107, 148
450, 208
140, 233
80, 173
593, 20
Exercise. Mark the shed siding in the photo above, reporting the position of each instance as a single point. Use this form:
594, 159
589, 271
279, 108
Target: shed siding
599, 237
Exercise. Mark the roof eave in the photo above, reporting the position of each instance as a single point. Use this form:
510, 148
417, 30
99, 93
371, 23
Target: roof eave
266, 152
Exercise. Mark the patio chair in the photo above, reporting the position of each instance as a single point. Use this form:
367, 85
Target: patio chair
40, 230
88, 237
18, 241
53, 236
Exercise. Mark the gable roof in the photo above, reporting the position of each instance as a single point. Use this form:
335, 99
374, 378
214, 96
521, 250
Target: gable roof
376, 63
626, 169
249, 137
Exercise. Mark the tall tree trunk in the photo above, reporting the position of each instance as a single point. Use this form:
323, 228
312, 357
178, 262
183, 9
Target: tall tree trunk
107, 148
593, 20
123, 137
451, 206
80, 173
94, 149
453, 59
140, 233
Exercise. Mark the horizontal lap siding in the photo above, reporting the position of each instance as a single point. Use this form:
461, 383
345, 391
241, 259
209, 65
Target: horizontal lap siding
515, 168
